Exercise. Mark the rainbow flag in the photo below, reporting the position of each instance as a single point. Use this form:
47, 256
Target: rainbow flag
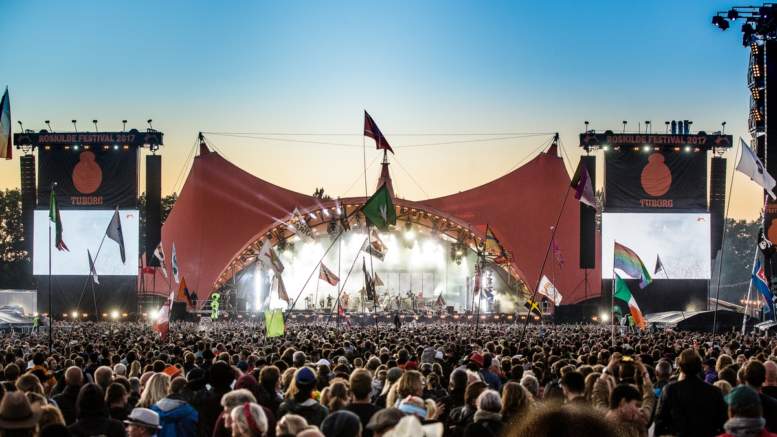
626, 260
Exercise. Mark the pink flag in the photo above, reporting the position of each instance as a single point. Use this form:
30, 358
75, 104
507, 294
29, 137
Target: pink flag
371, 130
584, 190
557, 252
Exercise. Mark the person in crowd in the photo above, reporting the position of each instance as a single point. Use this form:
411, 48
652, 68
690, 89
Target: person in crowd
68, 399
690, 407
247, 420
93, 416
45, 377
157, 388
755, 376
176, 417
49, 415
573, 387
516, 402
207, 401
710, 373
392, 377
291, 425
301, 402
455, 399
410, 384
487, 421
342, 424
18, 418
769, 387
361, 386
249, 383
117, 401
462, 416
384, 421
624, 413
745, 414
103, 377
724, 386
142, 422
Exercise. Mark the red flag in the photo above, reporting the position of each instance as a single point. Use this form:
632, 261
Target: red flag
327, 276
371, 130
147, 271
340, 312
162, 323
557, 252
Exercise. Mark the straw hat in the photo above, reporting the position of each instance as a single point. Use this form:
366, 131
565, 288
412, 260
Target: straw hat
17, 413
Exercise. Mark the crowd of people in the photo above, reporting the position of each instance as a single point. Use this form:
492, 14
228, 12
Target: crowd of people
438, 380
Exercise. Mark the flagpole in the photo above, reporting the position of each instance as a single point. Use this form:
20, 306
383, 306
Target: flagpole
722, 246
612, 302
372, 272
539, 276
317, 284
343, 284
553, 273
51, 315
749, 289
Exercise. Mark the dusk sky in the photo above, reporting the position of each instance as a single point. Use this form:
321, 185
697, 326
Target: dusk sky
421, 68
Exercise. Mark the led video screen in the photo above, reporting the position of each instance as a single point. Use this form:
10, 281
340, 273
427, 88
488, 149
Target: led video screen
85, 230
682, 241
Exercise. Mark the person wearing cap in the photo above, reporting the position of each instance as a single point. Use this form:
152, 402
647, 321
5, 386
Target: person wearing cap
301, 401
342, 424
710, 374
18, 415
745, 414
142, 422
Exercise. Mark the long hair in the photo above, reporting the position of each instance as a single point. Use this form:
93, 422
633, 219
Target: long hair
410, 384
516, 400
134, 369
240, 420
157, 388
338, 397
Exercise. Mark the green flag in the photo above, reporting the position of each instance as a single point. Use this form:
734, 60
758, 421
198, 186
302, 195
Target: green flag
379, 209
274, 321
54, 217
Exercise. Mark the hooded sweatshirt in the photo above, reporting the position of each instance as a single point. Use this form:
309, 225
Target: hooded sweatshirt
177, 418
311, 410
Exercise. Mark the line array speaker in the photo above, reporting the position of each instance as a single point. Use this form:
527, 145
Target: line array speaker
588, 222
153, 207
29, 199
717, 203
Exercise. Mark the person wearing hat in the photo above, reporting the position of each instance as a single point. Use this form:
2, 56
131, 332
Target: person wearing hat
384, 421
142, 422
745, 414
301, 401
342, 424
410, 426
16, 413
710, 374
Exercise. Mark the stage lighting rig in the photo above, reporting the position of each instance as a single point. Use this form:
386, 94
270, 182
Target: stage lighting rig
95, 125
74, 125
49, 125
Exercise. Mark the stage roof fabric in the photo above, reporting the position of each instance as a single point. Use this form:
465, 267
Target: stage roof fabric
221, 209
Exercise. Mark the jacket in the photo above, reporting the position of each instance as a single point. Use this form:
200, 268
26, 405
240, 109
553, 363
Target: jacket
206, 402
97, 426
177, 418
691, 407
66, 401
458, 419
311, 410
492, 380
604, 386
428, 355
484, 428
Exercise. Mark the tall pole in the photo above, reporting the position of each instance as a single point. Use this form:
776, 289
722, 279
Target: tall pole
722, 247
612, 305
51, 315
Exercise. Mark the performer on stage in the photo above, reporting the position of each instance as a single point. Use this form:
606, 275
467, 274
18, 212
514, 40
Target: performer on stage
411, 296
329, 299
344, 299
398, 301
309, 302
397, 322
321, 302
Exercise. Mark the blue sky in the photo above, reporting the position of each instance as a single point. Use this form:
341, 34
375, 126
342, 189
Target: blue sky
417, 67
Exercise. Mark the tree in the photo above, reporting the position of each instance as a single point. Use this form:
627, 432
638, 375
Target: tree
320, 194
167, 205
15, 262
738, 251
599, 208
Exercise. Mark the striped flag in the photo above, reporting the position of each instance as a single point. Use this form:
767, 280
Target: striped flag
627, 261
622, 292
327, 276
159, 253
6, 151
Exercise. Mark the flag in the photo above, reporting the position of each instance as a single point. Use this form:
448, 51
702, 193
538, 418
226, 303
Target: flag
175, 264
159, 253
299, 226
478, 281
371, 130
183, 293
628, 261
488, 295
162, 323
508, 256
374, 246
557, 252
766, 246
533, 307
269, 258
274, 322
91, 267
379, 209
750, 165
494, 247
55, 217
622, 292
6, 151
281, 289
327, 276
340, 312
115, 233
548, 290
370, 284
378, 281
441, 301
617, 309
147, 271
584, 190
759, 280
659, 266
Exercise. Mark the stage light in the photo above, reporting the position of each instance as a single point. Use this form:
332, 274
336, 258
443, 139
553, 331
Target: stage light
338, 210
733, 15
153, 315
116, 147
720, 22
105, 314
75, 147
84, 315
312, 216
687, 148
114, 315
64, 315
606, 148
75, 314
604, 317
646, 148
326, 213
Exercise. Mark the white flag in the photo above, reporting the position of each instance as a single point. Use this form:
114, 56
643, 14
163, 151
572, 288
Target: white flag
750, 165
269, 258
159, 253
374, 246
91, 267
548, 290
298, 225
175, 265
115, 233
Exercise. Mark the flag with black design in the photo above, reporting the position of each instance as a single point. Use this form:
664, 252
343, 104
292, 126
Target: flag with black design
369, 284
92, 270
659, 266
300, 227
374, 246
327, 276
766, 246
115, 233
533, 307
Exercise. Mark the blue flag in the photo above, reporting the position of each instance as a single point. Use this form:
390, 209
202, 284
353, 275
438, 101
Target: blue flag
759, 280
